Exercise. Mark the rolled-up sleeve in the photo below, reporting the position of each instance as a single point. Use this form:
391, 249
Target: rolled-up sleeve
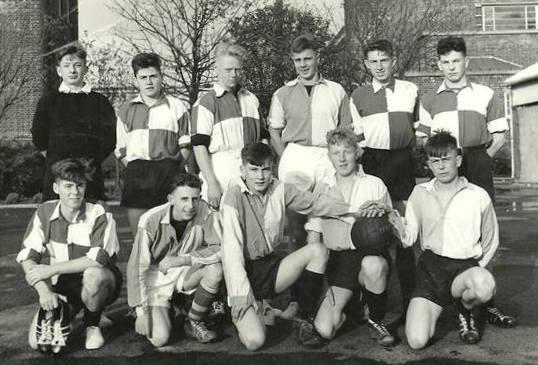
33, 243
276, 118
358, 124
104, 244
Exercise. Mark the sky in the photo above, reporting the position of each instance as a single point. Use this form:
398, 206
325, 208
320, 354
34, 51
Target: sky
98, 21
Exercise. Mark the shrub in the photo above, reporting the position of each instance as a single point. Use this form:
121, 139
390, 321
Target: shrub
21, 170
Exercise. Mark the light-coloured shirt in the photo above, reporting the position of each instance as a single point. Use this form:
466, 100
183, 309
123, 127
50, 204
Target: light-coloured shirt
337, 231
384, 116
305, 119
86, 89
92, 234
223, 121
471, 114
253, 226
153, 132
466, 227
156, 238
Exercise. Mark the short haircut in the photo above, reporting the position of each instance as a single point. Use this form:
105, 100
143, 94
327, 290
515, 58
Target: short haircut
449, 44
78, 170
230, 48
303, 42
146, 60
71, 50
257, 153
440, 144
342, 135
183, 179
381, 45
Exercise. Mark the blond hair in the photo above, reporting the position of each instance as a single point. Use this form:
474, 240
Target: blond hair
230, 48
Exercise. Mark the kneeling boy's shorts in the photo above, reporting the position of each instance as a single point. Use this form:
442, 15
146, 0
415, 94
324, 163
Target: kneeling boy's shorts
344, 267
262, 274
160, 287
435, 275
70, 286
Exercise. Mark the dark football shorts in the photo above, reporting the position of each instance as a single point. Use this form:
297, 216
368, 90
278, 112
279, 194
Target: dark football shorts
344, 267
262, 274
435, 275
147, 183
70, 285
394, 167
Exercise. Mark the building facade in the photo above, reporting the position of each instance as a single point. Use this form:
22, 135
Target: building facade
33, 29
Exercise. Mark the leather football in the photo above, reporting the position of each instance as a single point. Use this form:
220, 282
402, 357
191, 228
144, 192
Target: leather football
372, 235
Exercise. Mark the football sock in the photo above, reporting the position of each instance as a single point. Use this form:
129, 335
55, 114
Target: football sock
377, 305
202, 300
307, 291
91, 318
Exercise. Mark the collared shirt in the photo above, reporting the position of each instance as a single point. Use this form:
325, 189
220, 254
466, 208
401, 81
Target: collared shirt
306, 118
337, 231
253, 226
156, 238
223, 121
466, 227
152, 132
93, 234
384, 116
86, 89
470, 114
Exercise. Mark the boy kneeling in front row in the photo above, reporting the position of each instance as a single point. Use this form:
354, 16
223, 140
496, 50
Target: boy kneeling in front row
175, 250
253, 217
353, 264
82, 243
459, 235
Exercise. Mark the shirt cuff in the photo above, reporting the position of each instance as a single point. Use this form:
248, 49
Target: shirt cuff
98, 255
28, 254
242, 300
200, 140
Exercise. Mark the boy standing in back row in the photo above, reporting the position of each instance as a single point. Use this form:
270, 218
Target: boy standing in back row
472, 114
301, 114
153, 139
74, 122
384, 114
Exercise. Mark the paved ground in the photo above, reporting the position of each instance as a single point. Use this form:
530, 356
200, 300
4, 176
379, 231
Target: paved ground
515, 269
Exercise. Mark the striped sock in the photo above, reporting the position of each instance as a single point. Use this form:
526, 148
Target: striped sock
202, 300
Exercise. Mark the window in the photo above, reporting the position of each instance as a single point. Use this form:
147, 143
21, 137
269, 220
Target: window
515, 16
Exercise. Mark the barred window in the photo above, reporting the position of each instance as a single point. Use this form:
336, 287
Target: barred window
512, 16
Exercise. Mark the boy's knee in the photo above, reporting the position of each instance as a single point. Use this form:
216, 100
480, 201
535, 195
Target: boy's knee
483, 285
254, 340
417, 337
374, 267
416, 342
214, 273
159, 339
94, 278
325, 330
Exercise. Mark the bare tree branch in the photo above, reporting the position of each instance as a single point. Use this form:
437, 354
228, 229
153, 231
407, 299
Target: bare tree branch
183, 32
407, 24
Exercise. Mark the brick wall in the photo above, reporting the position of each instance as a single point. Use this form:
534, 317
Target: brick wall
24, 16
